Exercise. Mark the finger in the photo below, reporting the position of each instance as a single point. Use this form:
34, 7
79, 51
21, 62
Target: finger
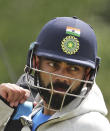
27, 93
3, 93
16, 104
22, 95
17, 99
13, 93
22, 101
12, 96
11, 104
26, 96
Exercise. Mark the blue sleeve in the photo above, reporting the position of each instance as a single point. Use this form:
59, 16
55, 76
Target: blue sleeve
23, 109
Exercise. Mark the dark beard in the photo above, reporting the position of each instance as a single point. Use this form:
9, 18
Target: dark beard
57, 98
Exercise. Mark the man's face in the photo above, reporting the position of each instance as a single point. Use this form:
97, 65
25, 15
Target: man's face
58, 83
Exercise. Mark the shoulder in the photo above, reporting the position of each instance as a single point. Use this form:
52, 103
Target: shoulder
92, 121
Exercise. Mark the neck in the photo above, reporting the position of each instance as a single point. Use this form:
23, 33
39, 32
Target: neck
48, 111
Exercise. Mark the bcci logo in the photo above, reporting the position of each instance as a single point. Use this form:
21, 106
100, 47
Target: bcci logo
70, 45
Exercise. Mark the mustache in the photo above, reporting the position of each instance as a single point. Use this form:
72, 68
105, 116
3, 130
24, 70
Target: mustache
57, 85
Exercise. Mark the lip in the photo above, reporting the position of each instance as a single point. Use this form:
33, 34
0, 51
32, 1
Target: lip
62, 90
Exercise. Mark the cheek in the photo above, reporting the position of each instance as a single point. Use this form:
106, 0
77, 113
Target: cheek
45, 78
77, 83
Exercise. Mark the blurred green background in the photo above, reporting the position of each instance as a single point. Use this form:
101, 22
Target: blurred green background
21, 21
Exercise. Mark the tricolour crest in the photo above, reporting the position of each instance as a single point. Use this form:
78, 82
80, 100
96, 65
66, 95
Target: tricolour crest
70, 45
73, 31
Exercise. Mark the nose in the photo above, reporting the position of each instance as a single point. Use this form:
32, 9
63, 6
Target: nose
63, 79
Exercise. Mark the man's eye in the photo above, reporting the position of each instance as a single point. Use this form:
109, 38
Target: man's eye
51, 64
74, 68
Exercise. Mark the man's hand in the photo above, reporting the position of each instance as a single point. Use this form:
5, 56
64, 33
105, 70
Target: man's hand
13, 93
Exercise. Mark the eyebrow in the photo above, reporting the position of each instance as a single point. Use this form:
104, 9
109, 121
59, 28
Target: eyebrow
58, 61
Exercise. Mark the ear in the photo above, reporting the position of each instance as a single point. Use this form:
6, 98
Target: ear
36, 62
